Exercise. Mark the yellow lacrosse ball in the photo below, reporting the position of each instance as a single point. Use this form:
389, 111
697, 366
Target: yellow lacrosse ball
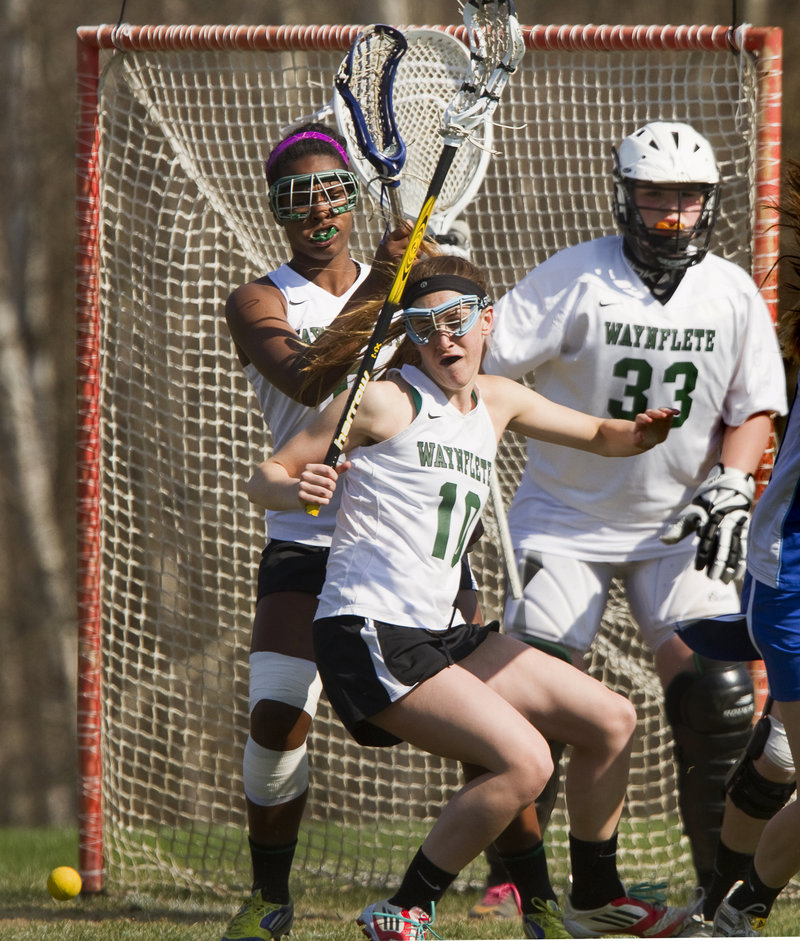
64, 883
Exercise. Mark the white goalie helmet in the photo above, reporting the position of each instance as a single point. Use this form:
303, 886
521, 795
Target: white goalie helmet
669, 153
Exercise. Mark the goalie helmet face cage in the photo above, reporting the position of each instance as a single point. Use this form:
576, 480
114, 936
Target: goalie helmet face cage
293, 198
673, 157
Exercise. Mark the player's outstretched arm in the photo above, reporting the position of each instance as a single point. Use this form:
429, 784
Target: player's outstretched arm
525, 411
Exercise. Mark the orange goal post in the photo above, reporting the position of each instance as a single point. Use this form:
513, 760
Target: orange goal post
174, 124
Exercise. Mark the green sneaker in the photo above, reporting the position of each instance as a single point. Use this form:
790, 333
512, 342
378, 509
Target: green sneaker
546, 921
258, 920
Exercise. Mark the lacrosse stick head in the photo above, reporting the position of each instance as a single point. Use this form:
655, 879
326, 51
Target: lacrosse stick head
428, 76
364, 85
496, 48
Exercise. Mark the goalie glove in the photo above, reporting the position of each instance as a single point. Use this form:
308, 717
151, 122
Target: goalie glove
720, 514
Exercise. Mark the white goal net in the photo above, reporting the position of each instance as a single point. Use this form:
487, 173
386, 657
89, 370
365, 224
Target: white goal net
175, 125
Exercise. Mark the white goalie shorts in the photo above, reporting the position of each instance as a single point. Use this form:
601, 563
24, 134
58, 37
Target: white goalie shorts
564, 598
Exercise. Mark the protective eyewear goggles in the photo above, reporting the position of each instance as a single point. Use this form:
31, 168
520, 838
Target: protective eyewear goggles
455, 318
293, 198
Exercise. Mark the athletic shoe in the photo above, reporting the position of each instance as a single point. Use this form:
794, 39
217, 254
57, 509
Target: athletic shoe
546, 921
499, 901
633, 914
383, 921
258, 920
697, 927
730, 922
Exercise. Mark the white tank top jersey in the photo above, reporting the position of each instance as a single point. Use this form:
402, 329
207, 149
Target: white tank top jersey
773, 544
601, 343
409, 506
309, 310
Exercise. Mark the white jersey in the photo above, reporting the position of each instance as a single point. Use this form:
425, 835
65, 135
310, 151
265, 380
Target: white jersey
309, 310
409, 505
601, 343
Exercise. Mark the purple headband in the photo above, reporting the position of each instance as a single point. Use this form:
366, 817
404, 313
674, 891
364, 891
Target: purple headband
305, 135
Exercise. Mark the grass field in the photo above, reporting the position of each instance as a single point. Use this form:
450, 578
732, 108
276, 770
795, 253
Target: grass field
27, 913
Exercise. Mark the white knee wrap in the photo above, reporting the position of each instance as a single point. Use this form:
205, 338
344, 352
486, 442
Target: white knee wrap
776, 748
274, 777
290, 680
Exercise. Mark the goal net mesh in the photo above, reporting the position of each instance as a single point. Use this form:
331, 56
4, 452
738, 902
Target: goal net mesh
183, 219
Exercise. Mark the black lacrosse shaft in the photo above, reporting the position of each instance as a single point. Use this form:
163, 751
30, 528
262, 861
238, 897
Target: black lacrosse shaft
390, 307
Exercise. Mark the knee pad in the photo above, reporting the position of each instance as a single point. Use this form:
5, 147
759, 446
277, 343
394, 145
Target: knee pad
777, 747
711, 715
749, 790
274, 777
290, 680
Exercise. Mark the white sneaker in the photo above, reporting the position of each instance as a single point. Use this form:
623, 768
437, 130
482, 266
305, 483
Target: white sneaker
628, 915
382, 921
730, 922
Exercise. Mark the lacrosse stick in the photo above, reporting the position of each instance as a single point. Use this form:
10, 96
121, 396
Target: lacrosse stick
417, 91
506, 545
364, 85
496, 47
428, 76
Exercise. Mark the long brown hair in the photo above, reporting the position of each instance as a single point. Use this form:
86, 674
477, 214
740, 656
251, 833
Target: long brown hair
789, 326
342, 344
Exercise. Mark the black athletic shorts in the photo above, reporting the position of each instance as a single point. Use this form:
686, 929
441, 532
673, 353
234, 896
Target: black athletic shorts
366, 665
291, 566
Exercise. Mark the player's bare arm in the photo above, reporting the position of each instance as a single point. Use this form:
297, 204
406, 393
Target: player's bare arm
525, 411
297, 475
256, 316
743, 446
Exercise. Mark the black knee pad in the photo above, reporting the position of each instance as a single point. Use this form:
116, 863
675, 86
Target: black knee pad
711, 714
750, 791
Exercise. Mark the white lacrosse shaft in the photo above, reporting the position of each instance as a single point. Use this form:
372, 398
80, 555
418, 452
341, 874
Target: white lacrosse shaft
507, 547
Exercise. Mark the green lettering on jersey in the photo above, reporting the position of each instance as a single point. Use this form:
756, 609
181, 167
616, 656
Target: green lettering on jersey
425, 449
625, 339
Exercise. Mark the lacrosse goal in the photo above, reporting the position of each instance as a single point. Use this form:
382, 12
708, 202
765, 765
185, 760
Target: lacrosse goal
174, 126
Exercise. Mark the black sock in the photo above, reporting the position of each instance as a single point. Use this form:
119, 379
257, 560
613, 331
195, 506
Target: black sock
497, 871
729, 867
422, 884
595, 880
528, 872
271, 868
754, 895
